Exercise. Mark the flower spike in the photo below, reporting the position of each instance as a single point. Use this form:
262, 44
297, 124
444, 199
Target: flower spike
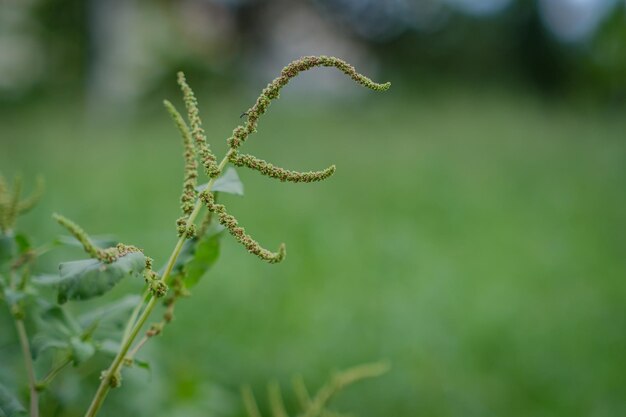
271, 92
239, 233
32, 200
108, 255
80, 235
188, 196
11, 207
282, 174
206, 156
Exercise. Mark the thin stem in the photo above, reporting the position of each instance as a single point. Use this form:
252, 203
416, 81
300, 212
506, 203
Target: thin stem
53, 373
114, 369
137, 347
28, 361
133, 317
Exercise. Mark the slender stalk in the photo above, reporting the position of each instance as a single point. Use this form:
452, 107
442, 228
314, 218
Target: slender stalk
53, 373
28, 361
114, 369
133, 317
138, 346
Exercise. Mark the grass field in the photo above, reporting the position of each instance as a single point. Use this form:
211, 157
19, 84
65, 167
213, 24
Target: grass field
476, 241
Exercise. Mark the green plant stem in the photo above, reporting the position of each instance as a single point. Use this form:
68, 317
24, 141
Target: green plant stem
53, 373
105, 384
133, 317
138, 346
28, 361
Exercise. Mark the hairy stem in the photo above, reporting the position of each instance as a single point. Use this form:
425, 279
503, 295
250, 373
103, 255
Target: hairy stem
114, 369
28, 362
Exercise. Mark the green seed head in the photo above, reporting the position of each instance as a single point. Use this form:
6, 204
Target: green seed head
197, 132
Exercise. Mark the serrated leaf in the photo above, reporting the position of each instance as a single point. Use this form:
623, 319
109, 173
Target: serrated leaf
229, 183
81, 350
82, 280
9, 405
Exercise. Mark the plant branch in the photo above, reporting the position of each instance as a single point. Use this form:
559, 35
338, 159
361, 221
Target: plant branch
53, 373
111, 376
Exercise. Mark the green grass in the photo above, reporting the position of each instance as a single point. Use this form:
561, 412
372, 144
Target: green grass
474, 240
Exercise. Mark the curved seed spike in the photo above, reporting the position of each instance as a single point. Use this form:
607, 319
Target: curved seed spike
340, 381
188, 196
33, 199
206, 156
239, 233
282, 174
78, 232
271, 92
108, 255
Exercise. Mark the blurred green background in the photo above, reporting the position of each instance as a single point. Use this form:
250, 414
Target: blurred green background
473, 235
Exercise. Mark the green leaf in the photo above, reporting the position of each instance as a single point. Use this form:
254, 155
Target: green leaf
23, 244
46, 280
55, 329
13, 296
229, 183
207, 251
42, 342
142, 364
81, 350
108, 347
9, 405
7, 248
110, 311
82, 280
59, 320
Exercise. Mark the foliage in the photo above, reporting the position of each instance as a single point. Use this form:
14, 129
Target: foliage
70, 340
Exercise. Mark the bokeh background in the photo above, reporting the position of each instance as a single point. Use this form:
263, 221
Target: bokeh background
473, 235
